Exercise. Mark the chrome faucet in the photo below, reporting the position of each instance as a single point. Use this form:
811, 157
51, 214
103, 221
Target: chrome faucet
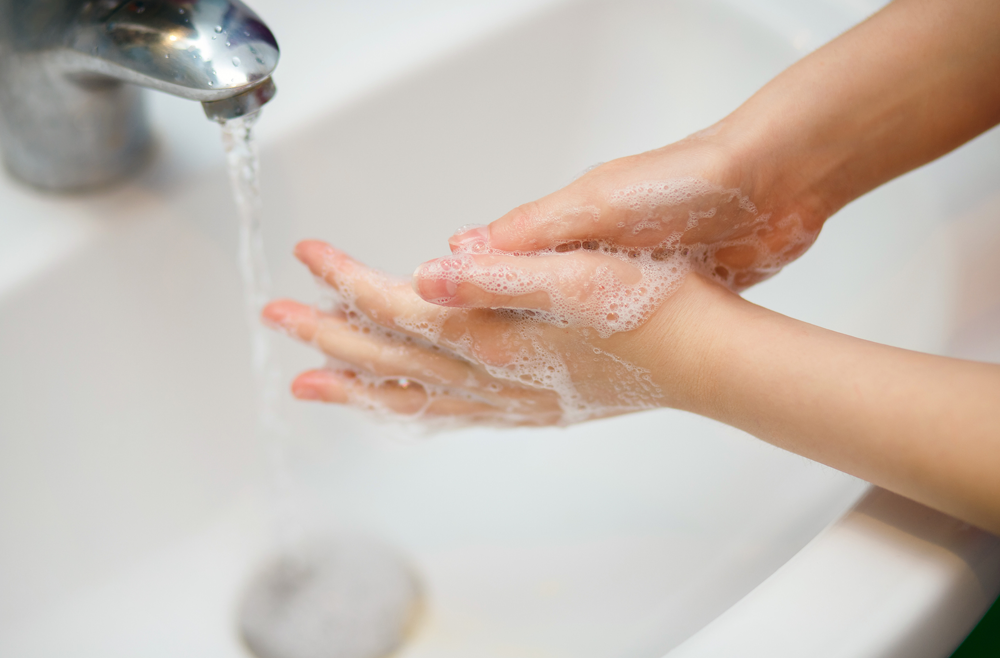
71, 114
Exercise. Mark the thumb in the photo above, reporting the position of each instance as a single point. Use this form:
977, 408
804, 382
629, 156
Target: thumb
607, 204
566, 215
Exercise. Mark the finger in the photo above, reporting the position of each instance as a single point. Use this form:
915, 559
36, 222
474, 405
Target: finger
387, 301
565, 217
586, 209
295, 319
522, 282
402, 398
336, 268
631, 202
559, 217
390, 358
384, 355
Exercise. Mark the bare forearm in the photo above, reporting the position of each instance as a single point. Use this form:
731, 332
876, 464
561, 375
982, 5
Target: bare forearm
915, 81
924, 426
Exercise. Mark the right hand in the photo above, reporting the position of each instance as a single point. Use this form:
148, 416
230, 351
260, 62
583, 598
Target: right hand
693, 193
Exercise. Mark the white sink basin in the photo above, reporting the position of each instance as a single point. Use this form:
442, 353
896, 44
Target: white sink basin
134, 496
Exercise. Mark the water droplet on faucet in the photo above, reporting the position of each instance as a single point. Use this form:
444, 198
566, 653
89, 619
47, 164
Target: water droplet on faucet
236, 61
218, 29
228, 44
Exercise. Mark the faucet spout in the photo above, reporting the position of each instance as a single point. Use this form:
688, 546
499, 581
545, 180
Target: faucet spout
206, 51
70, 109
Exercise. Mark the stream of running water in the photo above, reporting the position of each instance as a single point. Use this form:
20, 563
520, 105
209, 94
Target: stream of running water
340, 597
244, 177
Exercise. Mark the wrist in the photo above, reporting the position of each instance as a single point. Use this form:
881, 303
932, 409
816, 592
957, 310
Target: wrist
685, 343
783, 166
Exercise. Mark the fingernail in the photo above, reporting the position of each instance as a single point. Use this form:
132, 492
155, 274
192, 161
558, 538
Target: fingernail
311, 248
322, 259
470, 238
435, 291
311, 385
305, 391
278, 315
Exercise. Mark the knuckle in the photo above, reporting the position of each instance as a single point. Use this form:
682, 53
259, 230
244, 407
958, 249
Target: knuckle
492, 355
497, 300
520, 222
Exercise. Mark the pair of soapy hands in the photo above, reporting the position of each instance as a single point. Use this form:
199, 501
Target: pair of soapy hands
443, 347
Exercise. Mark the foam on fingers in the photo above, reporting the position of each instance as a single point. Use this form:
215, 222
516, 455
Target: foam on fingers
391, 356
600, 285
743, 247
388, 356
325, 262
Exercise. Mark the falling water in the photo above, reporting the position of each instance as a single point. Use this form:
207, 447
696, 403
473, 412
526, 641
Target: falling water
244, 177
339, 597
